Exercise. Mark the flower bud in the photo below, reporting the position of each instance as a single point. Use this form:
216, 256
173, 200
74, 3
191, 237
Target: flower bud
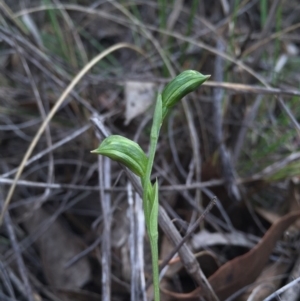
125, 151
181, 85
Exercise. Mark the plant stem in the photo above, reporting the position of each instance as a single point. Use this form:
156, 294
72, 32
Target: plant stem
157, 120
150, 197
155, 268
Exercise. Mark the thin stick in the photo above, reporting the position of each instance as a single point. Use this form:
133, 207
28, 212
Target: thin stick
104, 182
132, 245
228, 172
189, 233
140, 224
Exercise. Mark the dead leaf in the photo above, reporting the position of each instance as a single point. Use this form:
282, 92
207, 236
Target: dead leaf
207, 239
268, 215
57, 245
294, 202
138, 96
267, 282
243, 270
293, 292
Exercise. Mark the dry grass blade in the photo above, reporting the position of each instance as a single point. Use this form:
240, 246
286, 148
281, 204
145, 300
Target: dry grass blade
228, 171
270, 38
195, 141
266, 30
8, 11
76, 36
56, 145
241, 88
52, 113
104, 171
47, 129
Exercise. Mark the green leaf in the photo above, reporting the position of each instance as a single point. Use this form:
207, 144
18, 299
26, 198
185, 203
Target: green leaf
180, 86
125, 151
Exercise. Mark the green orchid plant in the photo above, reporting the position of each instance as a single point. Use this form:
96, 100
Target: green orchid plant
130, 154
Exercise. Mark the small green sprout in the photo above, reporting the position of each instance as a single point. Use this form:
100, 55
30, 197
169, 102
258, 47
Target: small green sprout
132, 156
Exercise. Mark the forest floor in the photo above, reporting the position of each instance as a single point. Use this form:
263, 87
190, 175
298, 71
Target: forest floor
72, 224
